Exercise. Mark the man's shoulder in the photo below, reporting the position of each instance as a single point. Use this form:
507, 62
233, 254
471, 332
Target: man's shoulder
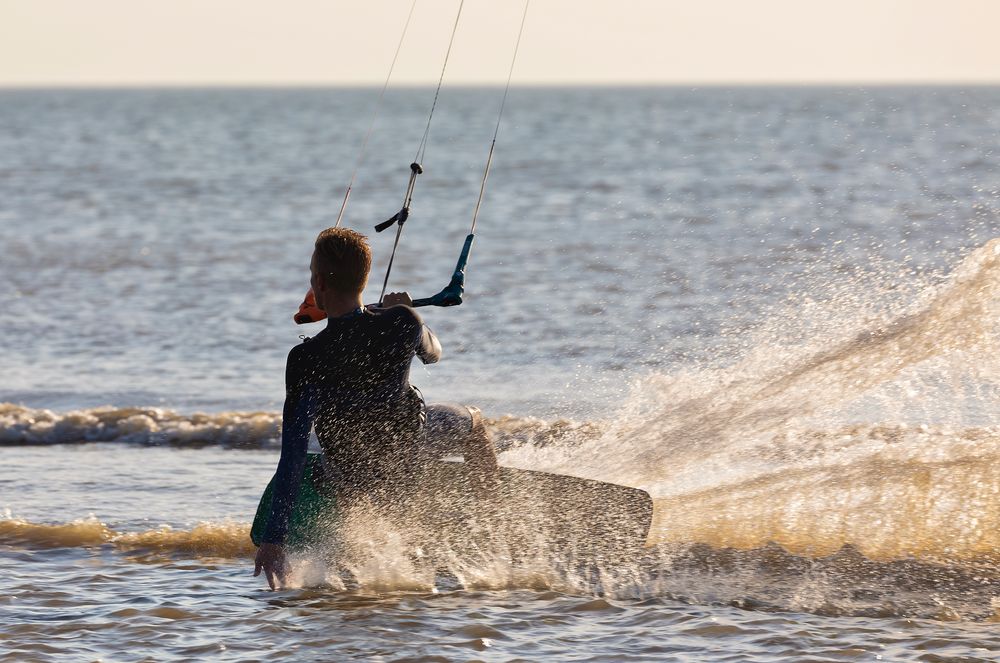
404, 315
301, 350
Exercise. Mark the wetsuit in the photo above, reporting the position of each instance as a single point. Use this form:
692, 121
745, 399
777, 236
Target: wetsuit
352, 382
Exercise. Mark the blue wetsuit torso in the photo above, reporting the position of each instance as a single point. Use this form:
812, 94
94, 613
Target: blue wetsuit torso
352, 381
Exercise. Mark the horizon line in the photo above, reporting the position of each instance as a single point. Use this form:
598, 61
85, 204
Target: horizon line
276, 85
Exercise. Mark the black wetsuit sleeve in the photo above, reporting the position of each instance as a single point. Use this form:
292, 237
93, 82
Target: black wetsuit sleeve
297, 416
428, 345
429, 348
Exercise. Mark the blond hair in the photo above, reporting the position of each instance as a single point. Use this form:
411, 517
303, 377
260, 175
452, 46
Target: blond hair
344, 259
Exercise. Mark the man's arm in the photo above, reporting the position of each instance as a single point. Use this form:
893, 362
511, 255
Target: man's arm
428, 345
297, 416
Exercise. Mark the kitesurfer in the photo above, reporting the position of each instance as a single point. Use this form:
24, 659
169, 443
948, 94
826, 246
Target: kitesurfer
351, 382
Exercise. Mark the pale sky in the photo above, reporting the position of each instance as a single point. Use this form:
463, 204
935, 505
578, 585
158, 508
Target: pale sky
323, 42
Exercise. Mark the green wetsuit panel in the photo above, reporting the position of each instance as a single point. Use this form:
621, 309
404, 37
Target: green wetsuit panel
311, 513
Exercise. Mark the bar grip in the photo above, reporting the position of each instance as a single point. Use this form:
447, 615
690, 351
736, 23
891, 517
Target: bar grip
452, 294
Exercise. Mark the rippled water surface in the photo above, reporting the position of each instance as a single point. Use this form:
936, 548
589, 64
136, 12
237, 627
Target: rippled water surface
776, 310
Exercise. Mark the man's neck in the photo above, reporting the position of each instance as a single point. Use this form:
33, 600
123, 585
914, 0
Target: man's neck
342, 306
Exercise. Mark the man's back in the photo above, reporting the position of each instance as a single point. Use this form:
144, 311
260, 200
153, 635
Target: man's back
355, 373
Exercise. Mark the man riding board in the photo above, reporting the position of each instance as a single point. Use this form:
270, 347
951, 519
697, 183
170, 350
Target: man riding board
351, 382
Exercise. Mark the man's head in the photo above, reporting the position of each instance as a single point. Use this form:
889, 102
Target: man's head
340, 265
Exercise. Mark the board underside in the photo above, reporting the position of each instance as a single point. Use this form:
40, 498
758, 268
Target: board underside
527, 512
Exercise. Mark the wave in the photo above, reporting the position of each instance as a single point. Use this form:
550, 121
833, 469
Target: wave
891, 492
224, 540
20, 425
765, 578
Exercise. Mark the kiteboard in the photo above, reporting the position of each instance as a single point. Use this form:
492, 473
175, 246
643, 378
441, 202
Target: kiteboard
527, 511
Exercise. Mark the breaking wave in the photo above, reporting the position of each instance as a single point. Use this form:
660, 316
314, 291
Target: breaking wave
226, 540
20, 425
768, 578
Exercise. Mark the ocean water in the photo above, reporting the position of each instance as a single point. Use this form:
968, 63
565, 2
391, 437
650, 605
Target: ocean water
775, 309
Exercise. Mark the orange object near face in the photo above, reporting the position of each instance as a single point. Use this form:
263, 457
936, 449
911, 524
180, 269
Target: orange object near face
308, 311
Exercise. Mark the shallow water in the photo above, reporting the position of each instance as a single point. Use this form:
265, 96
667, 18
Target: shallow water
167, 575
774, 309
